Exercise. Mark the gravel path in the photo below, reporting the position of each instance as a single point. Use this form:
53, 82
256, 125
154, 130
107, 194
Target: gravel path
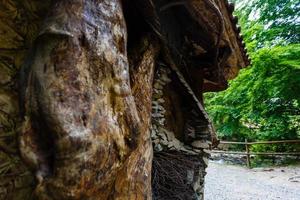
226, 182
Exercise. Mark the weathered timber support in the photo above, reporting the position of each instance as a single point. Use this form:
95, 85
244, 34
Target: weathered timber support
82, 133
87, 87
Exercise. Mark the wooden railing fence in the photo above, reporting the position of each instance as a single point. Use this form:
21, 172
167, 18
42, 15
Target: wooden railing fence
248, 153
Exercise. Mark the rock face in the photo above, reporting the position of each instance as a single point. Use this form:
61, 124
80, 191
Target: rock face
88, 87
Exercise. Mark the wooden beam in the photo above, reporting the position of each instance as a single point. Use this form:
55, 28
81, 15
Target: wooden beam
248, 153
258, 153
264, 142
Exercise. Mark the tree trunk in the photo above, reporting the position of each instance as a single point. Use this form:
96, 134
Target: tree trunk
85, 129
88, 87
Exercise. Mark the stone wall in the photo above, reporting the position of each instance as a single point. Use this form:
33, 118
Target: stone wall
178, 166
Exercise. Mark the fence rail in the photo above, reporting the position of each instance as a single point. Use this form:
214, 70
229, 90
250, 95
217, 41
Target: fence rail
248, 153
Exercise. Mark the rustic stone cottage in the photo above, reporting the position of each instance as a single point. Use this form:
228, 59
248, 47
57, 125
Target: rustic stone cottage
104, 99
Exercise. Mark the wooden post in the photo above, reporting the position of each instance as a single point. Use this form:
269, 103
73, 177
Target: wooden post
248, 154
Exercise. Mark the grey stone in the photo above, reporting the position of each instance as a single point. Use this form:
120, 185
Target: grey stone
200, 144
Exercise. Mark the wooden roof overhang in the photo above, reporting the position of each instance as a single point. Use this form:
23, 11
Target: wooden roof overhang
199, 21
203, 44
240, 58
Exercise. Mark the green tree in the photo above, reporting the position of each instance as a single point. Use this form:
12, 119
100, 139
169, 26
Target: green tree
263, 102
269, 22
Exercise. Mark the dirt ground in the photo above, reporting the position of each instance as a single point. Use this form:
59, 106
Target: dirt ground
227, 182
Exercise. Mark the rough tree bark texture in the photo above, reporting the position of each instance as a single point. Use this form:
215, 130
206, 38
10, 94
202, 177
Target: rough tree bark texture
78, 99
82, 132
19, 26
83, 135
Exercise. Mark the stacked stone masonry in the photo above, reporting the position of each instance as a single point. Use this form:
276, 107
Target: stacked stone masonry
164, 140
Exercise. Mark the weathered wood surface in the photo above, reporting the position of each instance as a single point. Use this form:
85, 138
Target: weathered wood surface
248, 153
85, 113
79, 101
19, 25
83, 135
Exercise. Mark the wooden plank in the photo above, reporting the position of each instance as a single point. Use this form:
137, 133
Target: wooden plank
277, 142
258, 153
263, 142
229, 142
229, 152
248, 154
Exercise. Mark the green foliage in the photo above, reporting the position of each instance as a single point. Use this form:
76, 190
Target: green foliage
263, 102
269, 22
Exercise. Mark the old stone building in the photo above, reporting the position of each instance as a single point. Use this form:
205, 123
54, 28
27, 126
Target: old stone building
87, 88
